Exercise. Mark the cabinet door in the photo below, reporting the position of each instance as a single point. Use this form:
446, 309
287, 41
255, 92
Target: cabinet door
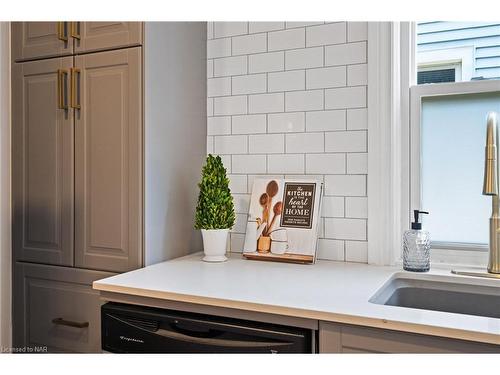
56, 309
108, 144
32, 40
106, 35
42, 162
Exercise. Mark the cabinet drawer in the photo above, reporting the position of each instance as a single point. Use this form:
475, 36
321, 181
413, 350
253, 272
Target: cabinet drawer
57, 309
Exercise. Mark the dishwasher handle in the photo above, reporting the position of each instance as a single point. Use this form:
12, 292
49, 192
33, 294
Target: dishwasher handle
217, 341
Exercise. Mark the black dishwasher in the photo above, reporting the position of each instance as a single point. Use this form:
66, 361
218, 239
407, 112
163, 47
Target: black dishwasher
139, 329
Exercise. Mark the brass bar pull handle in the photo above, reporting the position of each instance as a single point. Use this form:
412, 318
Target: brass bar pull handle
62, 91
75, 91
75, 30
62, 31
70, 323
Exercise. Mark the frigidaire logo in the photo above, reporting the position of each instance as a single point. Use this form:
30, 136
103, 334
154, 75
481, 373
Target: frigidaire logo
125, 338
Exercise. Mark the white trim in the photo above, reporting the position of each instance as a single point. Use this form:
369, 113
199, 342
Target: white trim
384, 142
449, 57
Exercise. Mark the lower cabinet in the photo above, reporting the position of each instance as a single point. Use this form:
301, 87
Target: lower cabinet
342, 338
56, 310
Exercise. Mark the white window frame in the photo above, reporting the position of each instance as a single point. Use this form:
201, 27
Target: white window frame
459, 58
391, 73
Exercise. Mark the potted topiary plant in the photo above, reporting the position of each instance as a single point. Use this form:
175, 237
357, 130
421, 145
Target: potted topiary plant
215, 209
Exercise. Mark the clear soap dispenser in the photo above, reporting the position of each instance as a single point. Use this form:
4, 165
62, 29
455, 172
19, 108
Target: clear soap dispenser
416, 246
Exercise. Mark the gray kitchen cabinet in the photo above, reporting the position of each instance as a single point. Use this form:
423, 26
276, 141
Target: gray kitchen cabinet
42, 162
32, 40
56, 308
343, 338
108, 150
94, 36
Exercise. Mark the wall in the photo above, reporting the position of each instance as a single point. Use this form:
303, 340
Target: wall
175, 133
5, 218
290, 99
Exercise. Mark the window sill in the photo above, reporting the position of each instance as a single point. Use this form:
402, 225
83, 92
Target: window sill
448, 259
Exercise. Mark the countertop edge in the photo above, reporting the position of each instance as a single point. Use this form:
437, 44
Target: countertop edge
332, 317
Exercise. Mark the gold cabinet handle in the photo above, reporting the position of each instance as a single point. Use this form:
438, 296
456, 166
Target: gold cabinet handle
62, 31
70, 323
62, 92
75, 91
75, 30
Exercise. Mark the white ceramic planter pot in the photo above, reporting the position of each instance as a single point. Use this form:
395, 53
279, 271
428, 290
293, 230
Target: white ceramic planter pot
214, 244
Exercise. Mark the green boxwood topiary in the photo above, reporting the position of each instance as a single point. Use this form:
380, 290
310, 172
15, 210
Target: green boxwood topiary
215, 209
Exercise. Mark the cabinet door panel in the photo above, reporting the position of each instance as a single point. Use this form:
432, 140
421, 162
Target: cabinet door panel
107, 35
40, 39
42, 164
108, 190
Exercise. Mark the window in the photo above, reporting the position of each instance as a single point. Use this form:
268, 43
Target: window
456, 64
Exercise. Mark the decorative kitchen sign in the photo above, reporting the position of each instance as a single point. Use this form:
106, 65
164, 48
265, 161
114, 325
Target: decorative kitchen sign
283, 220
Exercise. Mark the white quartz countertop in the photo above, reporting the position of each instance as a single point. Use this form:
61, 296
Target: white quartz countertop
328, 291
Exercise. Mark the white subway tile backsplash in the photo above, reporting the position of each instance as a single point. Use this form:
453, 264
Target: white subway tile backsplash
249, 84
249, 164
241, 203
219, 86
357, 75
231, 144
210, 145
266, 103
249, 124
240, 224
290, 100
345, 97
290, 25
345, 54
345, 185
285, 163
230, 66
357, 163
219, 125
330, 249
325, 120
345, 229
238, 183
303, 100
325, 163
266, 62
247, 44
357, 119
259, 27
218, 48
304, 58
286, 81
326, 77
305, 142
332, 207
331, 33
286, 39
356, 207
230, 105
348, 141
357, 31
285, 122
266, 144
210, 68
356, 251
210, 106
223, 29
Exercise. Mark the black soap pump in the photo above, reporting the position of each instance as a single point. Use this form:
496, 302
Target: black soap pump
416, 246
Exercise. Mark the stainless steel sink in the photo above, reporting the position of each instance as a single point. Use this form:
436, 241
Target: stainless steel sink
448, 296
